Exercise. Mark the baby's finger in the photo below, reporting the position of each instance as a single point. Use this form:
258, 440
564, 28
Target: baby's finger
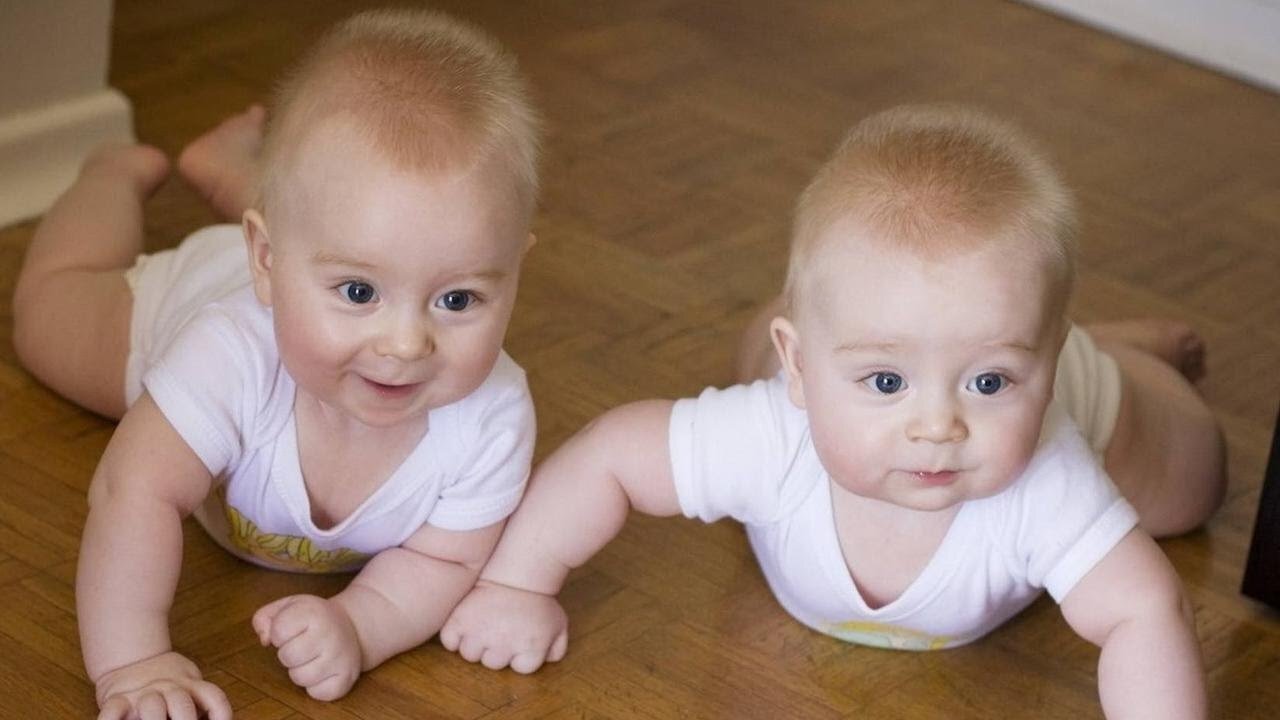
291, 621
179, 704
150, 706
311, 673
527, 662
212, 700
330, 688
496, 659
471, 648
450, 637
264, 617
559, 647
115, 708
298, 652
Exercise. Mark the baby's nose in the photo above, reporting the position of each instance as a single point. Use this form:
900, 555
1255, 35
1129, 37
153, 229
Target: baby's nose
406, 336
938, 420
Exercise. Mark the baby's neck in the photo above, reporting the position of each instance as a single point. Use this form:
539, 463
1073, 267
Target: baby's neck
344, 461
886, 546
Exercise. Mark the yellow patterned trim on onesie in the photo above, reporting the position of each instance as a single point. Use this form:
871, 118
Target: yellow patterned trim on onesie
886, 636
286, 552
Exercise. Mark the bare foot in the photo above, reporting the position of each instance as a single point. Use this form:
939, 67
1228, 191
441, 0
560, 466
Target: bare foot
1174, 342
142, 165
222, 164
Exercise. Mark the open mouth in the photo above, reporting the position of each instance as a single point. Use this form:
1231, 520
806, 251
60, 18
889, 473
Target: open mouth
943, 477
392, 391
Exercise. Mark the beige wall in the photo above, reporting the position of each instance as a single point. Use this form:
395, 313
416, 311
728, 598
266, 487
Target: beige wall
55, 105
1238, 37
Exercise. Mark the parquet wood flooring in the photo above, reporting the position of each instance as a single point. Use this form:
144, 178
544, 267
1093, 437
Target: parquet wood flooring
679, 133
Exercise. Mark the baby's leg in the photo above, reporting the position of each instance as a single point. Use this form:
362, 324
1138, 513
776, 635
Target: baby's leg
1166, 453
222, 164
71, 305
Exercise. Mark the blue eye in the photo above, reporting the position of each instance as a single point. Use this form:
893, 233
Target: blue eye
455, 300
888, 383
357, 292
988, 383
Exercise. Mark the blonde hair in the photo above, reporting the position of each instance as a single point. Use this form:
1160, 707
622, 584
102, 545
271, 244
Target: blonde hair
431, 93
935, 181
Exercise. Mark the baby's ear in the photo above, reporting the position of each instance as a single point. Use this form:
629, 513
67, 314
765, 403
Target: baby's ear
787, 342
258, 243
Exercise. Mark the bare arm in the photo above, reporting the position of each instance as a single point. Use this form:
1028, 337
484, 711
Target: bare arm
1132, 605
398, 601
577, 502
580, 496
404, 595
130, 558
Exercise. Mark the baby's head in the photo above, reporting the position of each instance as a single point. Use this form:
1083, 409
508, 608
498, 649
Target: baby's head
932, 262
399, 177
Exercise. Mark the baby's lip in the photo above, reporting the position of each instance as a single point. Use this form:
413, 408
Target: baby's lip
394, 386
936, 477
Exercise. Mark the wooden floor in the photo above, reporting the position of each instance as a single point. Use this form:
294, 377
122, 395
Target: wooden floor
679, 135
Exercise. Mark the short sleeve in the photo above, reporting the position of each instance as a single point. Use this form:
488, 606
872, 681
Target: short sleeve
497, 429
733, 451
201, 384
1070, 514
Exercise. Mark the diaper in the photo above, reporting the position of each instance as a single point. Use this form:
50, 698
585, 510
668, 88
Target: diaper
170, 286
1088, 387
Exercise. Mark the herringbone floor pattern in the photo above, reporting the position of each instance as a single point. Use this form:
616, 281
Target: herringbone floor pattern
679, 135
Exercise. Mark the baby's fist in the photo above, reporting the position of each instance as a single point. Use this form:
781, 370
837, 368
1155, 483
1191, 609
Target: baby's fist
316, 642
497, 626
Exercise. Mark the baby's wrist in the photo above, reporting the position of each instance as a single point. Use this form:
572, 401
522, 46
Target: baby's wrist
345, 605
497, 583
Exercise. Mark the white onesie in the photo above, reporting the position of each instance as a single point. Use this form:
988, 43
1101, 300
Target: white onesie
220, 383
745, 452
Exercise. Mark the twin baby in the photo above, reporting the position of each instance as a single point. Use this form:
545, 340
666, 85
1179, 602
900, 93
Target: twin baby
921, 442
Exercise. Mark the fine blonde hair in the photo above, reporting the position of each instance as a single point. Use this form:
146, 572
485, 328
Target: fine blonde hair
431, 93
936, 181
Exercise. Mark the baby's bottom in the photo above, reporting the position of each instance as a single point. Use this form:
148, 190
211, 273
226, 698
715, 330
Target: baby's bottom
1165, 451
72, 305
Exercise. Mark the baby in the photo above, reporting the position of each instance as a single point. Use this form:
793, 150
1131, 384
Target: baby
341, 401
912, 478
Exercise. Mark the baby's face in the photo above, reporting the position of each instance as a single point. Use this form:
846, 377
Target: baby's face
390, 290
925, 382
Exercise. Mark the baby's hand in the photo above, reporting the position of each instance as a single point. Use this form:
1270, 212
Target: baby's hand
167, 685
317, 643
499, 626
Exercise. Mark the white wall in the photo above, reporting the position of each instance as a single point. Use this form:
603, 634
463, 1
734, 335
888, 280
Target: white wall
55, 105
1238, 37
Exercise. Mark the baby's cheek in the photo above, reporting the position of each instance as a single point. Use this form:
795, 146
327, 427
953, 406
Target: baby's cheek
1016, 449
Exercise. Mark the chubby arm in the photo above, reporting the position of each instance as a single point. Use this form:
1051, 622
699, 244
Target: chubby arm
1132, 605
579, 497
578, 500
130, 556
404, 595
398, 601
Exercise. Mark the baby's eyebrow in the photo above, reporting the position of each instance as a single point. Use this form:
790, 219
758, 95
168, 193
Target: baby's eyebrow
324, 257
1018, 346
856, 346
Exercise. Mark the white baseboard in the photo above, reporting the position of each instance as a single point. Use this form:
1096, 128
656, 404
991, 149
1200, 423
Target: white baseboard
1238, 37
41, 150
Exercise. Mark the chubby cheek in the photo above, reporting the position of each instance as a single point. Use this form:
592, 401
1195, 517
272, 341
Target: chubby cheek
1011, 446
308, 346
852, 449
471, 360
